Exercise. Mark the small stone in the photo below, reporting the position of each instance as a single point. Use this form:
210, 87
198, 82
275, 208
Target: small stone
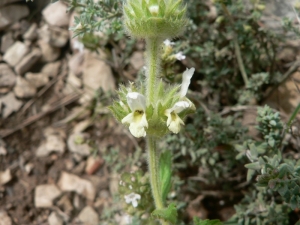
70, 182
65, 203
93, 164
75, 63
28, 61
76, 144
88, 216
51, 69
96, 74
45, 194
53, 143
6, 41
31, 33
28, 167
3, 150
137, 60
54, 219
72, 83
11, 104
56, 14
15, 53
7, 76
24, 89
49, 53
12, 13
4, 218
37, 79
5, 176
58, 37
82, 126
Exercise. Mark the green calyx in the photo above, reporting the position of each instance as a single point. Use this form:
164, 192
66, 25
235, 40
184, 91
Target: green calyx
154, 18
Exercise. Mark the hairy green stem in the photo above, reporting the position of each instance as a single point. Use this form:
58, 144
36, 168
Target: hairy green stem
153, 161
153, 66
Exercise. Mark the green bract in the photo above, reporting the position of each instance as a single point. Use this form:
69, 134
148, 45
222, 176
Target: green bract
154, 18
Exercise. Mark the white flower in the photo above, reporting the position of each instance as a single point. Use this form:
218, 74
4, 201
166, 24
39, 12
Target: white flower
132, 198
137, 118
186, 80
167, 42
180, 56
174, 122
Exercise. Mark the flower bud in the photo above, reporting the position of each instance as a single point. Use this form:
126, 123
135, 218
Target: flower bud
154, 18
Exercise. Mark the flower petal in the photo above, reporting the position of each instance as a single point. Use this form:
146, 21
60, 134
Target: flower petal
179, 56
136, 101
186, 80
180, 106
128, 119
175, 124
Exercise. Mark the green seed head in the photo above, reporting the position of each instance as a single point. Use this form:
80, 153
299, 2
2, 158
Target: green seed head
154, 18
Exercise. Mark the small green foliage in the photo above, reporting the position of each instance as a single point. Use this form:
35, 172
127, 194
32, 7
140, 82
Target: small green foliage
198, 221
167, 214
270, 126
165, 172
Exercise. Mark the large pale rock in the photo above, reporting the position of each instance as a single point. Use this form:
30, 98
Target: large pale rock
55, 36
11, 104
56, 14
37, 79
12, 13
15, 53
49, 53
7, 40
70, 182
4, 218
55, 219
23, 88
75, 63
88, 216
45, 194
77, 144
28, 61
96, 74
73, 83
7, 76
51, 69
31, 33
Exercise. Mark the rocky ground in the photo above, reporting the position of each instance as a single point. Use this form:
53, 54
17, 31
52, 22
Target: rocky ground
50, 170
54, 133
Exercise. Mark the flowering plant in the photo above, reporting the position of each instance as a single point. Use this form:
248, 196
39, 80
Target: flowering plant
152, 109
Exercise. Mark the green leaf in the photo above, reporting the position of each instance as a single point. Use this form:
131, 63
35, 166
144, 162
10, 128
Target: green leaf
253, 166
198, 221
165, 173
168, 214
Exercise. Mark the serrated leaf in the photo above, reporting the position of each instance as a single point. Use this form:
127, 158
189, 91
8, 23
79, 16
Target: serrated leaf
165, 173
168, 214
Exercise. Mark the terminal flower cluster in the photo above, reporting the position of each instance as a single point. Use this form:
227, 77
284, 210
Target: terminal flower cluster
161, 116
